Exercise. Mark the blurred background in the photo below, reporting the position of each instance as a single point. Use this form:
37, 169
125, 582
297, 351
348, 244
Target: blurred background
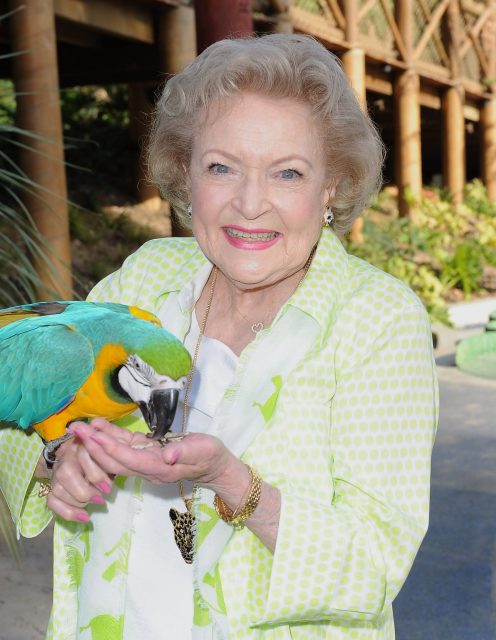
78, 82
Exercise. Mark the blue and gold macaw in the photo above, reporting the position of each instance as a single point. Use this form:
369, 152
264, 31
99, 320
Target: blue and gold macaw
64, 361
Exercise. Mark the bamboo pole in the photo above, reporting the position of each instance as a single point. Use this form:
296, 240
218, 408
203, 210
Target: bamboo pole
35, 71
177, 48
408, 151
488, 146
354, 59
140, 109
452, 110
176, 38
354, 66
454, 142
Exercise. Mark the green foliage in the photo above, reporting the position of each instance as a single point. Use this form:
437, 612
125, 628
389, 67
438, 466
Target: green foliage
21, 245
441, 252
99, 148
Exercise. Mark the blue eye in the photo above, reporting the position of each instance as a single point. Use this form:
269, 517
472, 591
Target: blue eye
218, 168
290, 174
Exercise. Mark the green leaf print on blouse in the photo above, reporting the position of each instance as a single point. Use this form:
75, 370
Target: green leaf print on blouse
201, 615
105, 627
119, 566
267, 409
205, 525
213, 580
78, 552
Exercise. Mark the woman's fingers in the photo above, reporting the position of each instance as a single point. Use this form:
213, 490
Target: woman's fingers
94, 474
76, 482
66, 510
119, 433
114, 456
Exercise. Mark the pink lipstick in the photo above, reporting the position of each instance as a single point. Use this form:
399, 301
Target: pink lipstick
251, 239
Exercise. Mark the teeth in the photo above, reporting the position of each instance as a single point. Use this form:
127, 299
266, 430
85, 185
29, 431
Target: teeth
235, 233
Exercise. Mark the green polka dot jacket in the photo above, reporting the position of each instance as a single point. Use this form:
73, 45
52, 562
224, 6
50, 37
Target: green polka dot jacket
344, 387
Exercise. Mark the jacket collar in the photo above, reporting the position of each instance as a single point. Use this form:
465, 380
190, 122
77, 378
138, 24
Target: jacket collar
319, 295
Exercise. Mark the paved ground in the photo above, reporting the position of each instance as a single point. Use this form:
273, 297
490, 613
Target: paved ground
451, 592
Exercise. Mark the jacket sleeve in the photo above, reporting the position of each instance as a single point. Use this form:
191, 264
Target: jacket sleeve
346, 557
19, 455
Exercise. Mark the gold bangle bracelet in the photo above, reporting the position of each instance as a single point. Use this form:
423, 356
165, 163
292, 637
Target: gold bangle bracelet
237, 517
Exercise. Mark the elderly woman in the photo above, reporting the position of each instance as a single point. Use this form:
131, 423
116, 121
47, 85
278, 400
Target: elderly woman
303, 480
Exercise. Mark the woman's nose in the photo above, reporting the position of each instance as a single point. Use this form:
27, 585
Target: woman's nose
252, 197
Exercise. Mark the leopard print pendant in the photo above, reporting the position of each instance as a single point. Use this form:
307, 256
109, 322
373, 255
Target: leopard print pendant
184, 527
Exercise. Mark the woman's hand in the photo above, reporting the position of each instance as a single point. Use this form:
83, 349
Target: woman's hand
198, 457
76, 481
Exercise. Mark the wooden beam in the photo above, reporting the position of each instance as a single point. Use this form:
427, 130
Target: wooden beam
476, 28
32, 31
438, 43
454, 142
176, 38
132, 21
72, 33
218, 19
336, 12
433, 25
140, 110
408, 155
354, 59
365, 8
488, 146
452, 108
354, 67
395, 31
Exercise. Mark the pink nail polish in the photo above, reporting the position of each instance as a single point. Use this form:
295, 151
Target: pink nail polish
79, 433
96, 499
83, 517
97, 439
104, 486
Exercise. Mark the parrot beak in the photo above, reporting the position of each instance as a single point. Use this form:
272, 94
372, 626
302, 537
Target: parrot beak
159, 412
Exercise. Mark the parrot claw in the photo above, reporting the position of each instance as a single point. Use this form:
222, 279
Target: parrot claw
51, 447
171, 437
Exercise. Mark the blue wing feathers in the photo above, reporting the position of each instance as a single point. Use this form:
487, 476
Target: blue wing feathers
29, 392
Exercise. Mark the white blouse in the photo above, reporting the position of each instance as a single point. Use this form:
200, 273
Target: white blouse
159, 595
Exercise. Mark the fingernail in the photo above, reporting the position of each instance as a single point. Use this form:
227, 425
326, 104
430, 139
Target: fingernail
83, 517
97, 499
104, 486
79, 433
173, 457
97, 439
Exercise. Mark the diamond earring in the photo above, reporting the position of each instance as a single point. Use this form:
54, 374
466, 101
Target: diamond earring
328, 217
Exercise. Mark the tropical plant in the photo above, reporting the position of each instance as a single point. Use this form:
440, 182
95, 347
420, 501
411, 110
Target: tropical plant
441, 252
23, 252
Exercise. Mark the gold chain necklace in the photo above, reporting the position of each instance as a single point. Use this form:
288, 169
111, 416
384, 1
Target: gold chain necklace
184, 522
256, 327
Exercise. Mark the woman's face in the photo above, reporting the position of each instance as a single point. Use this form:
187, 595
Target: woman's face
258, 188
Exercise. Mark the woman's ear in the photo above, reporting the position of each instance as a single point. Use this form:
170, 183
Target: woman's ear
331, 190
329, 193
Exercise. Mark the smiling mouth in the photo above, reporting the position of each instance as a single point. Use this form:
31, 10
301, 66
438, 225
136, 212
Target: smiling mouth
245, 235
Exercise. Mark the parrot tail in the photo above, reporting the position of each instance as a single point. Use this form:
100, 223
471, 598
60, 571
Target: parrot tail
8, 533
